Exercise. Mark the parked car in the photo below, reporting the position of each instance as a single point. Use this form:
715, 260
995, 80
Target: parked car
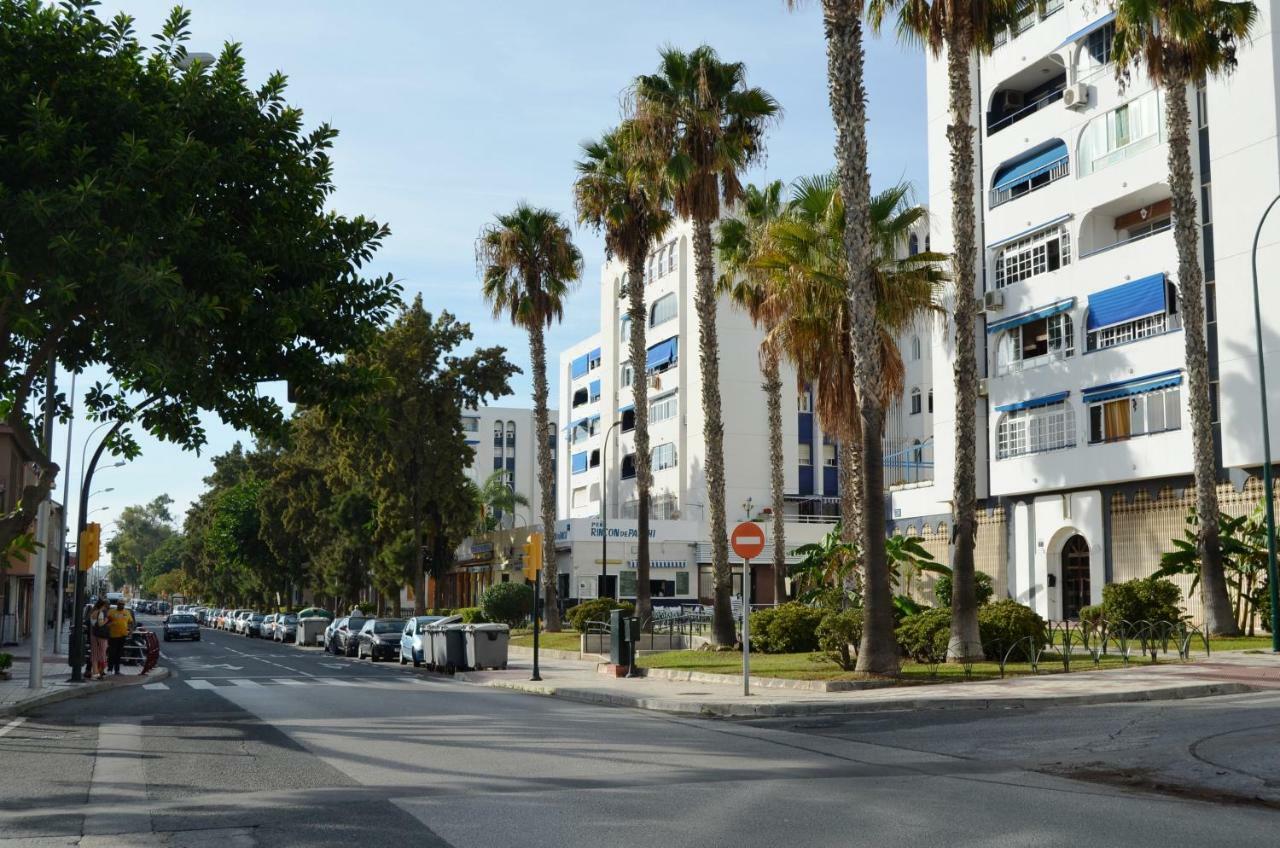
241, 619
378, 638
411, 639
253, 624
343, 635
286, 629
268, 630
181, 625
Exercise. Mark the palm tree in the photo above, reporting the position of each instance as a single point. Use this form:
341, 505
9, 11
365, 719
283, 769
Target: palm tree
959, 30
698, 114
497, 497
804, 257
620, 191
528, 263
737, 242
1178, 43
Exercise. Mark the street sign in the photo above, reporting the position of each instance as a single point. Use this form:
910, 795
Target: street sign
747, 540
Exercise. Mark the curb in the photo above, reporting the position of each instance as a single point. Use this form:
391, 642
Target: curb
712, 709
82, 690
764, 682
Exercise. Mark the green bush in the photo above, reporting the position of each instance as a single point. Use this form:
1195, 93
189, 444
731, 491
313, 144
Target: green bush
924, 637
1002, 624
471, 615
595, 610
836, 632
1151, 599
441, 611
507, 603
786, 629
1091, 615
983, 588
6, 660
1263, 609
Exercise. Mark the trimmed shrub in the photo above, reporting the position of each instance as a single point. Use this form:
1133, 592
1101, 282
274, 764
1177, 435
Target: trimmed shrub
1091, 615
790, 628
1150, 599
471, 615
441, 611
983, 589
1263, 609
507, 603
597, 609
1002, 624
924, 637
836, 632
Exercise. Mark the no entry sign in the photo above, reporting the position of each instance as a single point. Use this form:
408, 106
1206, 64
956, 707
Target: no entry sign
747, 540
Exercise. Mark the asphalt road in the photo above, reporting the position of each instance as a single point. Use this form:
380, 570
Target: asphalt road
251, 743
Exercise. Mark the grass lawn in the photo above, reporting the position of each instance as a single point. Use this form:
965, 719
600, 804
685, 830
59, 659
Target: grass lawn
568, 640
1236, 643
815, 666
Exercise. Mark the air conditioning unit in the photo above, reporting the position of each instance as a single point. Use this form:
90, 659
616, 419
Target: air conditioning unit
993, 301
655, 381
1076, 96
982, 387
1014, 100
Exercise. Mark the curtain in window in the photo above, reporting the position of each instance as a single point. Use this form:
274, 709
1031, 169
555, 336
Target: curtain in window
1118, 419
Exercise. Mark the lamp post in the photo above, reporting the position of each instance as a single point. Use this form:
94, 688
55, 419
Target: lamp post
1269, 493
604, 512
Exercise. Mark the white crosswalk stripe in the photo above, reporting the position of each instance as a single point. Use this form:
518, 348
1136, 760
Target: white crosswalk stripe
246, 684
289, 681
154, 687
200, 684
266, 682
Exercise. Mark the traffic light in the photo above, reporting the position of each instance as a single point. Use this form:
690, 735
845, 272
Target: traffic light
90, 539
532, 556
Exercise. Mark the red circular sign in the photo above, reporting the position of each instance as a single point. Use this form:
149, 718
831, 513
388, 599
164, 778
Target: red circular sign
747, 540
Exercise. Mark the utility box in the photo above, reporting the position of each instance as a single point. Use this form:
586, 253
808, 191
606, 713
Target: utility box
624, 632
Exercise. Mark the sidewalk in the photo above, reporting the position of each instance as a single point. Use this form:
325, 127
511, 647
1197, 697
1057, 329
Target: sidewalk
1224, 674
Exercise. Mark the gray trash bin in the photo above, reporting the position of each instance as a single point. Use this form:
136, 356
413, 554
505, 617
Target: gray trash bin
433, 635
487, 645
448, 647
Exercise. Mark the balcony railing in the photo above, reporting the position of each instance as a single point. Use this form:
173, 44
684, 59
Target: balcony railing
1155, 231
1034, 182
1054, 96
909, 466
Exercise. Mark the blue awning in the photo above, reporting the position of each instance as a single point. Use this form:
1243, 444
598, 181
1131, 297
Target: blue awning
579, 366
1034, 402
1028, 317
472, 442
1029, 230
1136, 386
622, 410
579, 462
1029, 166
594, 387
1085, 30
1128, 302
663, 353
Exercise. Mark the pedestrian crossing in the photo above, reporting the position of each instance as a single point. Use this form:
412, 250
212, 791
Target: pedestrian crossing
204, 684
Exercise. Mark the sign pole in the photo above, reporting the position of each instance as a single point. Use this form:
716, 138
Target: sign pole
537, 579
746, 635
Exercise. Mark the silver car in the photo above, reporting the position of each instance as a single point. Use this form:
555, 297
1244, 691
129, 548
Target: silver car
286, 629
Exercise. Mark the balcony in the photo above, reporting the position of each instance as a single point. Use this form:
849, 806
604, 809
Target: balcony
1129, 219
908, 465
1030, 172
1026, 93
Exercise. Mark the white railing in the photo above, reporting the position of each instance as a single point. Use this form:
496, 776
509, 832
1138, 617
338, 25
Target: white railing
1053, 173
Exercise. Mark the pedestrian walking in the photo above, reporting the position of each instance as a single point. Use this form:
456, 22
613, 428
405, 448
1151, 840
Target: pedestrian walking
119, 621
99, 632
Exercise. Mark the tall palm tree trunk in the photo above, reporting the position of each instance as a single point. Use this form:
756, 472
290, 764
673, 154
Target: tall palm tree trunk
965, 642
723, 631
850, 471
878, 653
546, 476
773, 401
1218, 615
640, 397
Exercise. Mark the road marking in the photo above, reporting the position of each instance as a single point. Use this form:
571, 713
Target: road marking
155, 686
246, 684
333, 681
119, 787
200, 684
11, 725
288, 681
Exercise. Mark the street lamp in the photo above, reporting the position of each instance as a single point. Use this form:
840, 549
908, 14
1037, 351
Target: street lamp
603, 588
1269, 493
102, 491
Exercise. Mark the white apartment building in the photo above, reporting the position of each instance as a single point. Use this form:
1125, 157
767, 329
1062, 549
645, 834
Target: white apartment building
1083, 425
596, 479
503, 439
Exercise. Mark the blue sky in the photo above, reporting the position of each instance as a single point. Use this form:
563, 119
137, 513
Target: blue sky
449, 113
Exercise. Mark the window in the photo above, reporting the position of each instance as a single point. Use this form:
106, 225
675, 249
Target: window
1038, 253
1123, 132
580, 366
915, 348
628, 419
593, 426
663, 310
581, 397
917, 452
1135, 415
829, 457
629, 467
579, 462
593, 360
931, 401
581, 431
671, 257
1097, 50
663, 356
1042, 428
1029, 172
913, 245
470, 424
805, 453
1120, 332
580, 497
595, 458
498, 430
915, 401
1036, 343
594, 390
804, 401
663, 456
511, 435
626, 376
664, 408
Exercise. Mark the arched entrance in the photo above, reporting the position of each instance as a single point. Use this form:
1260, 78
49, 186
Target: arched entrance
1075, 577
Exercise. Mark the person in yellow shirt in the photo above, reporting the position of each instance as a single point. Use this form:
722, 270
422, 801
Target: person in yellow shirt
119, 623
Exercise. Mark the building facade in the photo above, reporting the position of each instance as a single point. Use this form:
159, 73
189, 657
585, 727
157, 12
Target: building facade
503, 439
1084, 431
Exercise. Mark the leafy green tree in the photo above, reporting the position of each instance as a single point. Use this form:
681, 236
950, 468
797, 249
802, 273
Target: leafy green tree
699, 115
527, 263
497, 499
140, 531
1179, 43
166, 558
166, 222
234, 542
